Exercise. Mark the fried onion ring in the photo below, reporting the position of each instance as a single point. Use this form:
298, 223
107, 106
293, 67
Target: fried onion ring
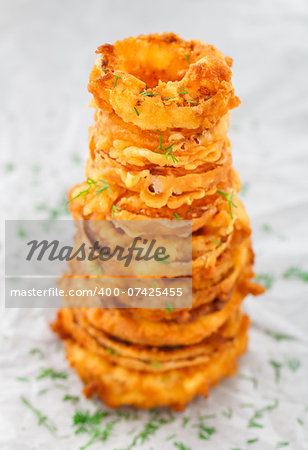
148, 82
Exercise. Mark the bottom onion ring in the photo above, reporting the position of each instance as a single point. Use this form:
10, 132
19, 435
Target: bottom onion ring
118, 386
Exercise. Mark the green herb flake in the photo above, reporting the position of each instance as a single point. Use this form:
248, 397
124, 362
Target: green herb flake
208, 416
123, 414
51, 373
280, 336
21, 233
269, 407
169, 98
205, 432
169, 308
191, 101
156, 364
252, 422
101, 186
166, 151
176, 216
85, 418
230, 200
136, 111
252, 441
266, 279
147, 94
182, 91
36, 351
218, 243
90, 182
70, 398
296, 273
112, 352
181, 446
253, 380
171, 437
282, 444
300, 421
277, 368
187, 57
23, 379
185, 421
42, 391
114, 209
9, 167
41, 418
228, 413
116, 79
293, 364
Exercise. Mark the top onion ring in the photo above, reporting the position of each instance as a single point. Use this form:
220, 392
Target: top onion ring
163, 82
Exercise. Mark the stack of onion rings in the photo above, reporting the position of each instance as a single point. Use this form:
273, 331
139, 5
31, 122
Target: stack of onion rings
160, 144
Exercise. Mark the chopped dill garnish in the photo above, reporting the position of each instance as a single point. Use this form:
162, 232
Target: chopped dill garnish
182, 91
187, 57
185, 421
72, 398
176, 216
191, 101
204, 431
102, 187
253, 380
136, 111
207, 417
169, 308
151, 427
169, 98
166, 151
90, 182
156, 364
51, 373
114, 209
36, 351
282, 444
293, 364
300, 421
228, 413
280, 336
218, 243
171, 437
230, 200
147, 94
181, 446
111, 351
116, 79
296, 273
252, 422
252, 441
277, 367
21, 232
266, 279
41, 418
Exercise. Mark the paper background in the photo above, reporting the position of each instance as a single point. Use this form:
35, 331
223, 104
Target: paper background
47, 49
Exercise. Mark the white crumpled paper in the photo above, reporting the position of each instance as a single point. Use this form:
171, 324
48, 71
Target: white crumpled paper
47, 50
